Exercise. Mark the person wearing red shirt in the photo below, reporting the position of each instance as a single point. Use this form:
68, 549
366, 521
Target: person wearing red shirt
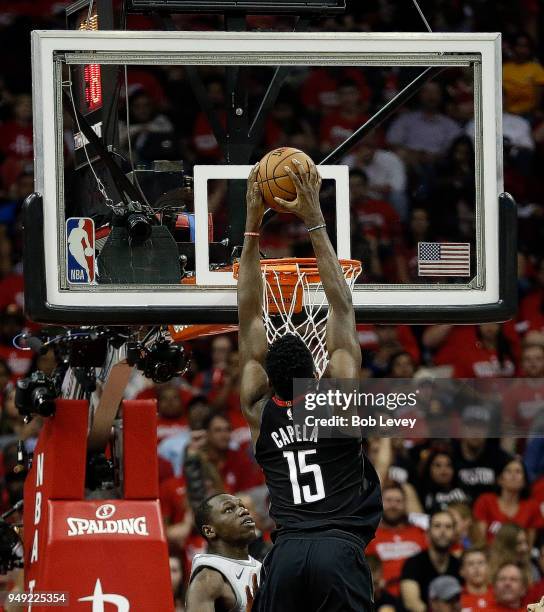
235, 467
340, 124
510, 505
319, 91
531, 308
204, 140
210, 381
477, 593
172, 419
395, 539
524, 400
377, 223
16, 135
509, 588
396, 337
482, 351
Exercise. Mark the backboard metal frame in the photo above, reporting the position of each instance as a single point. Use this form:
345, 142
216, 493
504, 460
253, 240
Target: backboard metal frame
490, 296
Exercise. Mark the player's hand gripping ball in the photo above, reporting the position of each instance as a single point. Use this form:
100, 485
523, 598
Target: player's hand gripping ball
274, 181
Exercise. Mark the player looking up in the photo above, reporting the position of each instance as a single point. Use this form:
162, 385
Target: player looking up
324, 493
219, 578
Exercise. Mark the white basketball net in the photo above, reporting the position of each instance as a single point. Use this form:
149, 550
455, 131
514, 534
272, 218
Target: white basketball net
310, 324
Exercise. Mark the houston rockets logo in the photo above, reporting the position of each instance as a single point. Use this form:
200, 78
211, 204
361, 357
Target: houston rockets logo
99, 598
80, 254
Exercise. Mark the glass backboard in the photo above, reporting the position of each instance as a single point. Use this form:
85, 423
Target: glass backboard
146, 230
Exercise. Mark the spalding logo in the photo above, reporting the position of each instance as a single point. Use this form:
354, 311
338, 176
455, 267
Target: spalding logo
105, 512
104, 524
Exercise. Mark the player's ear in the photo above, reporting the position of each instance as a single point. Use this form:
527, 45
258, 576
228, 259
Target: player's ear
209, 532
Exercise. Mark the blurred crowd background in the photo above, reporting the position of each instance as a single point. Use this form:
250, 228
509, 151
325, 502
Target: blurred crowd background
471, 508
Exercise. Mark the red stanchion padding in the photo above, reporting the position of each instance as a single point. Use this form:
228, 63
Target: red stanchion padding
107, 552
57, 472
141, 469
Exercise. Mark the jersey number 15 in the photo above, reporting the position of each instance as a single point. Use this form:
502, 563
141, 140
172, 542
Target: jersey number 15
297, 465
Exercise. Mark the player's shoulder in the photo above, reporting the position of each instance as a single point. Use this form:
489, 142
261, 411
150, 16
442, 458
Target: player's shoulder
209, 580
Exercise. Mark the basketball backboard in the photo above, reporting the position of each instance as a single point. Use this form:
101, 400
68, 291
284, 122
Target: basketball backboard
437, 241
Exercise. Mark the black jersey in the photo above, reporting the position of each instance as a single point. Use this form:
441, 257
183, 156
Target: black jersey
316, 482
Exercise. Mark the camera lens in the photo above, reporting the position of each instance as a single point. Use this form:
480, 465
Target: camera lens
162, 372
139, 227
43, 401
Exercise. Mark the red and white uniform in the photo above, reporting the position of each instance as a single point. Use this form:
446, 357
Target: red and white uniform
393, 545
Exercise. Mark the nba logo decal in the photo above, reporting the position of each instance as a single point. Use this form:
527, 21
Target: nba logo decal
80, 250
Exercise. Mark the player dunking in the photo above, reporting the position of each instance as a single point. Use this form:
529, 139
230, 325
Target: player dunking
325, 496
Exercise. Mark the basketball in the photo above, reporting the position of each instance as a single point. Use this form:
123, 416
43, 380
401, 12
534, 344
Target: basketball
272, 178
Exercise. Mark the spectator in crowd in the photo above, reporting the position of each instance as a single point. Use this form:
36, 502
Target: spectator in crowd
379, 222
394, 464
171, 448
151, 133
536, 590
518, 140
172, 418
445, 594
401, 365
524, 400
531, 308
178, 590
511, 544
418, 230
523, 78
467, 531
383, 600
477, 592
420, 570
396, 540
210, 380
286, 119
477, 459
339, 124
487, 352
422, 135
18, 360
205, 143
319, 93
16, 147
235, 467
509, 589
437, 486
510, 505
385, 170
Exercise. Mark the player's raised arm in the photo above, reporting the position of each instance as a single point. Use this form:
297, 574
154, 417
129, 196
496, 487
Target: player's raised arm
252, 334
342, 345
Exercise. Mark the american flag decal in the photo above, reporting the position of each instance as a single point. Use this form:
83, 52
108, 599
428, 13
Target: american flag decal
443, 258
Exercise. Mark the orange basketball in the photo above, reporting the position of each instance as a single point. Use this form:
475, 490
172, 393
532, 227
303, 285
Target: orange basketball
272, 178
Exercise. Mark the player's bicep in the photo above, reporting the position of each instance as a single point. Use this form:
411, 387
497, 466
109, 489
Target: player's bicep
344, 364
342, 344
252, 340
205, 589
254, 386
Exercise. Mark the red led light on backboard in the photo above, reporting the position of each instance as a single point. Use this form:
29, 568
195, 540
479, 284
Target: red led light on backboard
93, 87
